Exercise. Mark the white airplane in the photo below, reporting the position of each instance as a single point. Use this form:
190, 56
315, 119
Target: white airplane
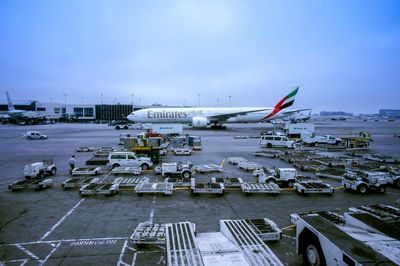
202, 117
17, 116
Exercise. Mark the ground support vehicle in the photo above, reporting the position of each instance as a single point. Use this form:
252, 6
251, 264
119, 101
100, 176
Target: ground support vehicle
107, 189
86, 171
30, 135
40, 169
148, 233
127, 170
235, 244
207, 168
393, 180
206, 188
178, 181
182, 151
335, 173
386, 213
75, 182
130, 182
229, 182
362, 182
326, 139
165, 189
282, 176
248, 166
236, 160
265, 229
260, 188
176, 169
84, 149
315, 187
195, 142
36, 184
325, 238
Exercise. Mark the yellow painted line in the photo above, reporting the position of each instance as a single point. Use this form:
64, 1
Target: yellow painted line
290, 227
182, 188
287, 189
222, 163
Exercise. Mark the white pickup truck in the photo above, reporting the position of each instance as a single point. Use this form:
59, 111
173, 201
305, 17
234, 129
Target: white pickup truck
326, 139
128, 159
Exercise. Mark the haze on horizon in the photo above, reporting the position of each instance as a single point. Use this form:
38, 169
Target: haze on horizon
344, 54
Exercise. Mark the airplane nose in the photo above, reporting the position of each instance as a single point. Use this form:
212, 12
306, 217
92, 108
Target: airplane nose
130, 117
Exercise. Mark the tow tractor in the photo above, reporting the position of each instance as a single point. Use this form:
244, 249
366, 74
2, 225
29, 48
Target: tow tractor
206, 188
283, 176
40, 169
176, 169
362, 182
37, 184
86, 171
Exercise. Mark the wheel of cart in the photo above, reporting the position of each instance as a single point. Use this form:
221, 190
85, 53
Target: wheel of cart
312, 251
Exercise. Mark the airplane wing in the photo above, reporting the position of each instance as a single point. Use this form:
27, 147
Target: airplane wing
225, 117
289, 112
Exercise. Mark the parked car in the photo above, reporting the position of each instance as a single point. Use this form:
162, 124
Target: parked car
35, 135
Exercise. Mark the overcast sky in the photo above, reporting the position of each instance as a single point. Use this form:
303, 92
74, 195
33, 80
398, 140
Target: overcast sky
345, 55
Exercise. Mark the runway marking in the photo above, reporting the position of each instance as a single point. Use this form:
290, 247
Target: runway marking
51, 253
24, 261
50, 242
61, 220
153, 203
291, 237
26, 251
121, 255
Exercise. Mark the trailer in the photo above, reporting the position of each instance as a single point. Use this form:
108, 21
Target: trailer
248, 166
86, 171
84, 149
206, 188
127, 170
335, 173
236, 160
229, 182
165, 189
148, 233
178, 181
207, 168
260, 188
308, 165
269, 153
74, 182
107, 189
265, 229
36, 184
313, 187
130, 182
182, 151
355, 238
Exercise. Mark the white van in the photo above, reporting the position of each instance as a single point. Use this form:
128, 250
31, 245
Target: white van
270, 141
128, 159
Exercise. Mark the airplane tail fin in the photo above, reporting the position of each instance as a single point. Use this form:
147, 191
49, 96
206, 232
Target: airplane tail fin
285, 102
9, 103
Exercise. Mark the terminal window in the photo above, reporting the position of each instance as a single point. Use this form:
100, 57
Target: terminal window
89, 112
78, 111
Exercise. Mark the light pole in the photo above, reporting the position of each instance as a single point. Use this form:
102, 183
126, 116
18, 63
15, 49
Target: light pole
230, 100
198, 99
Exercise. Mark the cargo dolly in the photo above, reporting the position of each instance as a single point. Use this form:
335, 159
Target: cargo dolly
148, 233
248, 166
178, 181
36, 184
236, 160
86, 171
266, 229
74, 182
269, 153
260, 188
229, 182
335, 173
127, 170
308, 165
386, 213
107, 189
129, 182
206, 188
165, 189
207, 168
313, 187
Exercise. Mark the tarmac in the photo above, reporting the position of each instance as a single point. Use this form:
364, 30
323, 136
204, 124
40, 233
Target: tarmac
58, 227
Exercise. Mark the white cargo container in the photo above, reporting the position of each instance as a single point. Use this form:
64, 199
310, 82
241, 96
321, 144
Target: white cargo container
167, 128
299, 130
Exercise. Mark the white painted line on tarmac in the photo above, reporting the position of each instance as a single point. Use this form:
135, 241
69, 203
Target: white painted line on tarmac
28, 252
51, 253
153, 203
134, 259
50, 242
120, 262
61, 220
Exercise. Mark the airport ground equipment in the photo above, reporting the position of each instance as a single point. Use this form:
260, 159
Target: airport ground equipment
308, 165
260, 188
148, 233
282, 176
165, 189
206, 188
229, 182
30, 135
130, 182
182, 151
127, 170
265, 229
269, 153
107, 189
36, 184
313, 187
380, 158
330, 161
75, 182
84, 149
117, 159
236, 160
86, 171
248, 166
270, 141
207, 168
176, 169
393, 180
40, 169
195, 142
236, 242
335, 173
178, 181
362, 182
355, 238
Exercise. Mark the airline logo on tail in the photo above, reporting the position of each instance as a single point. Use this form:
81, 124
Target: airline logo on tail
10, 105
286, 101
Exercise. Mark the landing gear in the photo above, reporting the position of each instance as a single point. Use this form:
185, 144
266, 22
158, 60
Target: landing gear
217, 126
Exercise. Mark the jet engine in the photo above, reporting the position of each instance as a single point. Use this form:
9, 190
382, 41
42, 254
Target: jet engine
200, 122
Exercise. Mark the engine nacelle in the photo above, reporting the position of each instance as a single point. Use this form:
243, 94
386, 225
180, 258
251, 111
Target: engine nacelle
200, 122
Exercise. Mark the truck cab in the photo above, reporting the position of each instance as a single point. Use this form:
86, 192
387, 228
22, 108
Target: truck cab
285, 176
40, 169
362, 182
128, 159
